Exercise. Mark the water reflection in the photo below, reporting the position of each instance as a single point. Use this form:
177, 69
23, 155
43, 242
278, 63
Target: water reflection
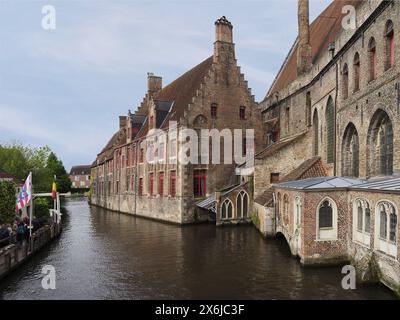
105, 255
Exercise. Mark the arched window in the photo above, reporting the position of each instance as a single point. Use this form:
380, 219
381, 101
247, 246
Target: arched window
387, 222
327, 218
380, 145
389, 37
345, 80
227, 209
286, 209
242, 205
372, 59
361, 221
356, 66
278, 207
350, 152
315, 129
298, 212
330, 129
325, 215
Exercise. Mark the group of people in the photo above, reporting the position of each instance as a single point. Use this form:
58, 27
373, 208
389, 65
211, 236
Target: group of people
20, 228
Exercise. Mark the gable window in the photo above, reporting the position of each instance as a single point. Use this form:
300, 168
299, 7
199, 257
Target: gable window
242, 113
356, 66
227, 209
330, 128
327, 220
389, 35
214, 109
274, 177
372, 59
199, 183
172, 184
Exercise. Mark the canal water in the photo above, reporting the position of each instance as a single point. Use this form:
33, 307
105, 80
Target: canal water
105, 255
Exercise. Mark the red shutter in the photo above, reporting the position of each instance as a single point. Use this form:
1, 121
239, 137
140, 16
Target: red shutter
172, 184
151, 184
199, 183
140, 186
161, 184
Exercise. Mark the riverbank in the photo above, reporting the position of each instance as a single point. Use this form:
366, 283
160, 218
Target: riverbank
14, 255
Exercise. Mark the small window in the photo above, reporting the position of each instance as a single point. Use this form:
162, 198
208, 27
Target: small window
356, 66
345, 77
389, 34
242, 113
274, 178
214, 109
161, 184
140, 189
141, 158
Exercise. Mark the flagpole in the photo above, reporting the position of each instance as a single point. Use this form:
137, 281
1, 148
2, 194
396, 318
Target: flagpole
31, 210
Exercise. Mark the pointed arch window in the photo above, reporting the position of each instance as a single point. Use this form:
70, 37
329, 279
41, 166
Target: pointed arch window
372, 59
345, 80
242, 204
325, 215
387, 222
227, 209
315, 131
380, 145
389, 37
356, 67
330, 128
350, 152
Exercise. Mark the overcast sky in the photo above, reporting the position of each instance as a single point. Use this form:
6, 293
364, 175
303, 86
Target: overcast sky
65, 88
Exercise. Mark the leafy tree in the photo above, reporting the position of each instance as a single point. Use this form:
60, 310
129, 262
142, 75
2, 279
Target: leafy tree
7, 201
56, 168
41, 208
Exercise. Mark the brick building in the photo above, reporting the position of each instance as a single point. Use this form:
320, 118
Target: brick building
336, 97
80, 177
139, 172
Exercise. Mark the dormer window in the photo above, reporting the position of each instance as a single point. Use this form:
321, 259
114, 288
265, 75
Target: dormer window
214, 109
242, 113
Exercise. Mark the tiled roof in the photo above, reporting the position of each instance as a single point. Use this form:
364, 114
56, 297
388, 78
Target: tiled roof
320, 183
310, 168
266, 198
323, 31
80, 170
273, 148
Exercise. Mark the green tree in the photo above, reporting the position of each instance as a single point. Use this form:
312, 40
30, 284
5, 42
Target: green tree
7, 201
56, 168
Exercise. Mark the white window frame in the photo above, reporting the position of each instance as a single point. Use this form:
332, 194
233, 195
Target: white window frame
327, 234
361, 236
225, 204
385, 245
242, 194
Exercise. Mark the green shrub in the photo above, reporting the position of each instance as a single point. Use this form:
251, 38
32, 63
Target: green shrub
256, 220
41, 208
7, 201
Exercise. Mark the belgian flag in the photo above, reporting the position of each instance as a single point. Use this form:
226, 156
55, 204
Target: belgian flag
54, 189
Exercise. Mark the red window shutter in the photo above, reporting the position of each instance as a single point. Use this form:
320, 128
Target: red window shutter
172, 184
140, 186
151, 184
161, 184
199, 183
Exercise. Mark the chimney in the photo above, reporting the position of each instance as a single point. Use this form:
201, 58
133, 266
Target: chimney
122, 122
223, 38
304, 46
154, 83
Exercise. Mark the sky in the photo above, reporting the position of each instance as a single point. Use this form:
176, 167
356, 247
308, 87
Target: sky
65, 88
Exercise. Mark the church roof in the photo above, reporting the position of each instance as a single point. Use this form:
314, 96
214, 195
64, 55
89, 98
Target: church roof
320, 183
323, 31
391, 184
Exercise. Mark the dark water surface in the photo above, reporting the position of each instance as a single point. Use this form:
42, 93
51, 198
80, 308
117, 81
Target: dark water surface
105, 255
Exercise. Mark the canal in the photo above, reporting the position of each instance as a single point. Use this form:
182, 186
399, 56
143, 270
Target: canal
105, 255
